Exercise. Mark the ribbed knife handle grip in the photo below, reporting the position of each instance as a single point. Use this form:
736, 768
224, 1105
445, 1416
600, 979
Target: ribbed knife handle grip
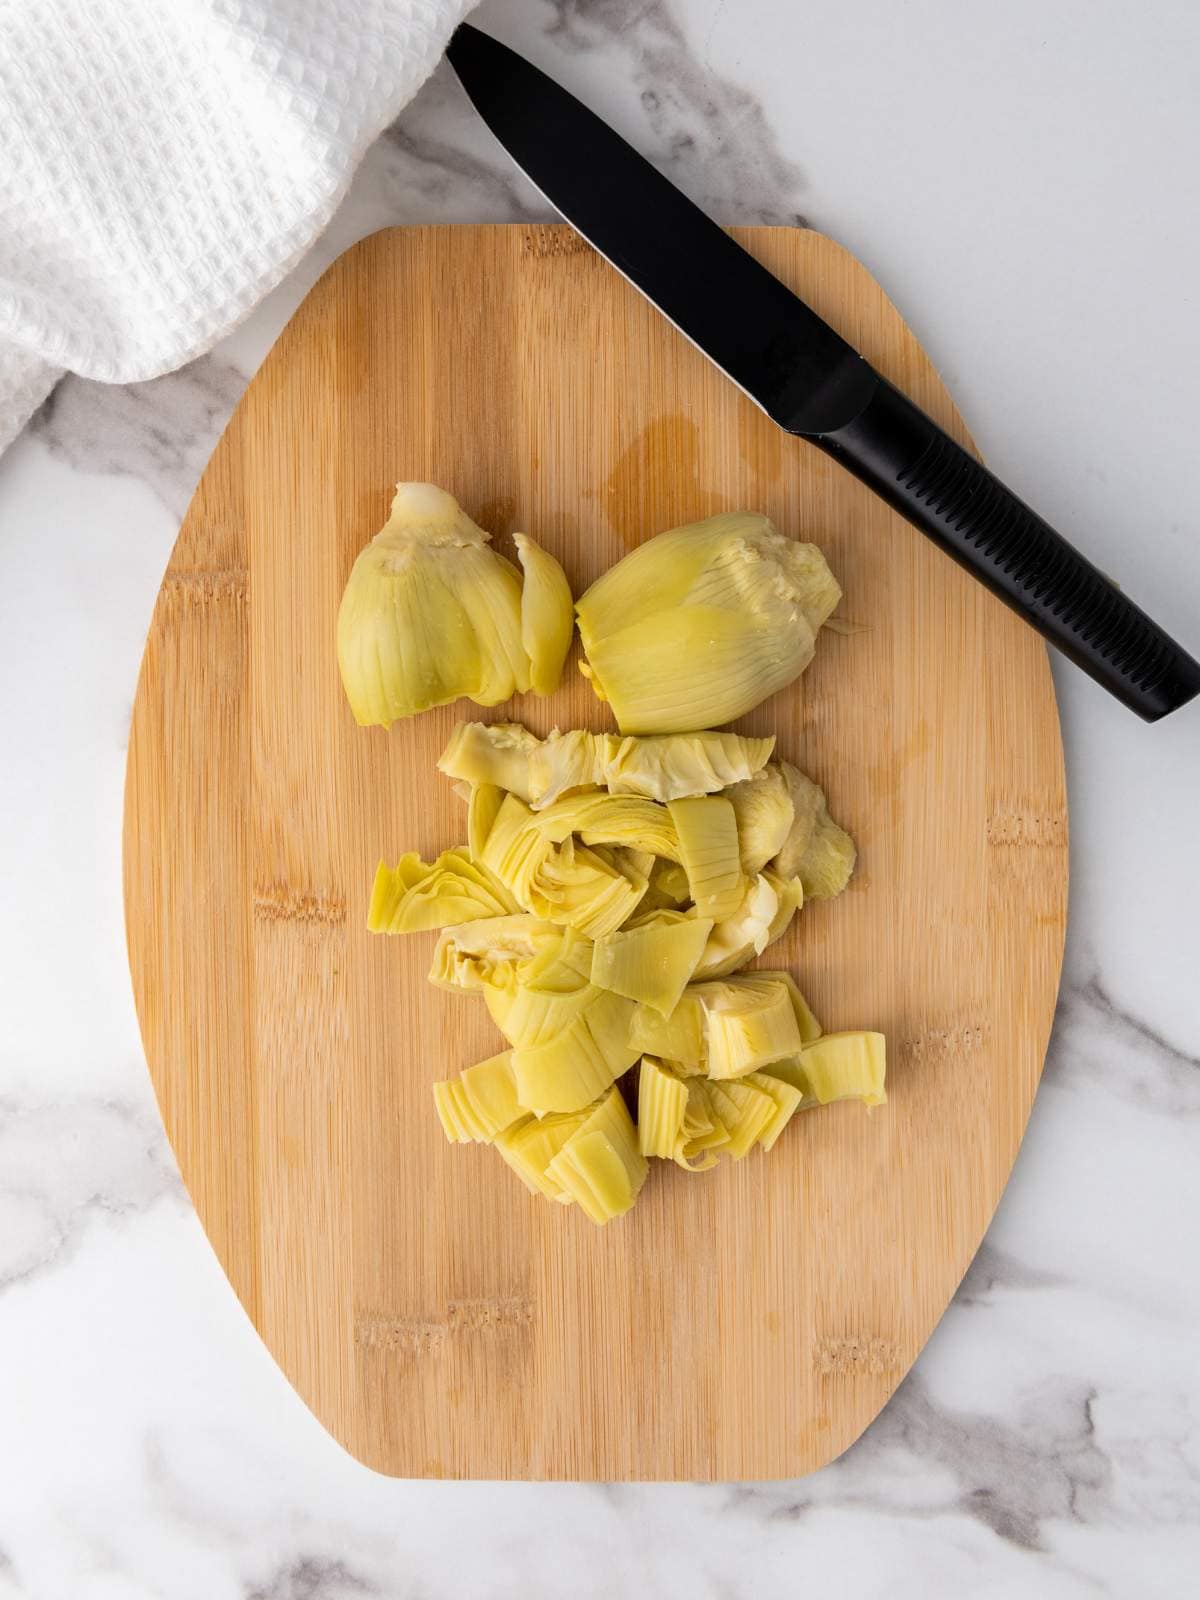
917, 468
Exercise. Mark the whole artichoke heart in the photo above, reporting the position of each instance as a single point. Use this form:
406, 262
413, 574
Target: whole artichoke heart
431, 612
701, 623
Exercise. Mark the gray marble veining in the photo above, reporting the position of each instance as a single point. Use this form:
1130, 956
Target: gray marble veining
161, 432
63, 1163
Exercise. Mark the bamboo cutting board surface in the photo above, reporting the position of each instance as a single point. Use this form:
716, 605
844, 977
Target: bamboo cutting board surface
436, 1318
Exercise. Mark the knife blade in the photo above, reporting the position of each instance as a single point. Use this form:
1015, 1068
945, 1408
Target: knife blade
808, 380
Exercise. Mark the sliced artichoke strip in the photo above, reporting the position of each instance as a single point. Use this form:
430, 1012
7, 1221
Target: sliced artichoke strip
480, 1103
748, 1022
652, 962
547, 614
413, 896
708, 847
600, 1166
498, 753
662, 1104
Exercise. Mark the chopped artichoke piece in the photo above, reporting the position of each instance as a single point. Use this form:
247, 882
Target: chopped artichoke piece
828, 862
701, 623
817, 850
480, 1103
429, 613
708, 848
635, 864
475, 955
491, 752
675, 766
600, 1165
564, 1073
588, 889
412, 896
764, 810
652, 961
547, 614
749, 1021
561, 964
787, 1098
670, 879
703, 1134
662, 1102
562, 764
514, 850
790, 894
483, 807
531, 1017
600, 818
845, 1066
745, 934
529, 1146
576, 1066
678, 1038
746, 1113
678, 766
808, 1025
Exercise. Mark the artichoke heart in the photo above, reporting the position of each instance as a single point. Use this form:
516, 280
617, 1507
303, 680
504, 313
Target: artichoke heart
412, 896
430, 612
480, 1103
708, 848
547, 614
600, 1166
764, 811
700, 624
817, 851
652, 960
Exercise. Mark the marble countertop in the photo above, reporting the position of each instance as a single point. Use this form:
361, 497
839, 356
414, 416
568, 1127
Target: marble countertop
1018, 178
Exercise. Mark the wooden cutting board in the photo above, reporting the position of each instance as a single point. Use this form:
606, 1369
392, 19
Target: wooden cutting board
439, 1321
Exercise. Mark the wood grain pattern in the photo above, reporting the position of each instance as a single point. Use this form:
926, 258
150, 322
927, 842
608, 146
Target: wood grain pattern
437, 1319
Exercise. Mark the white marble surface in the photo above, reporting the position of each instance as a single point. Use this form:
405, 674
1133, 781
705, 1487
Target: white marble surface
1022, 177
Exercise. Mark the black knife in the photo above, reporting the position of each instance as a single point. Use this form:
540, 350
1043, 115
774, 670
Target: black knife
809, 380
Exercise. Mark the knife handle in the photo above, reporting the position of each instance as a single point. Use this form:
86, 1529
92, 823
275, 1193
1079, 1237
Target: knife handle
916, 467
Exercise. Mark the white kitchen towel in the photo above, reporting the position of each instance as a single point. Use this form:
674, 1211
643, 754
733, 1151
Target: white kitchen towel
164, 163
